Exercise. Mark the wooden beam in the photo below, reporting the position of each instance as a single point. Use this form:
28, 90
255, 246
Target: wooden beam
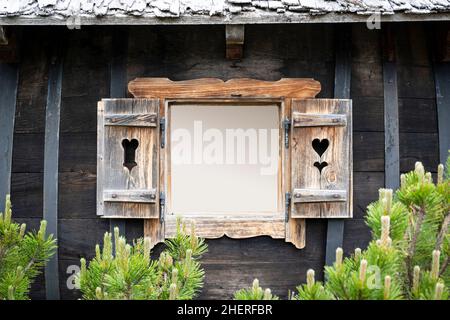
440, 53
51, 157
342, 82
234, 37
118, 89
442, 80
391, 125
9, 74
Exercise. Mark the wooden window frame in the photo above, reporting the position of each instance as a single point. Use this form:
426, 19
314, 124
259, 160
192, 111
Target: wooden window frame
215, 224
281, 92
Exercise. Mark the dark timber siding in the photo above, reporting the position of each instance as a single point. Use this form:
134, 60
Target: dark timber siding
186, 52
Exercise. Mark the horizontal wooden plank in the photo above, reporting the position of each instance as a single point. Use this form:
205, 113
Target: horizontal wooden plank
210, 88
131, 120
318, 120
233, 227
137, 196
356, 235
78, 237
311, 195
415, 82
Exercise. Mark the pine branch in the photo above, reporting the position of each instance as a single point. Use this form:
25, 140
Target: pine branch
442, 232
412, 244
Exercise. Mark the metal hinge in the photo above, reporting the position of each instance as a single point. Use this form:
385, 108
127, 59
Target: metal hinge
162, 206
287, 201
286, 127
162, 128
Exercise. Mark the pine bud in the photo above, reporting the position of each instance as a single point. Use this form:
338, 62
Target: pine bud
357, 254
381, 194
435, 264
267, 294
8, 211
173, 292
385, 226
107, 246
11, 293
402, 180
147, 248
97, 252
310, 274
339, 254
83, 266
255, 285
363, 270
387, 287
23, 228
388, 205
42, 228
378, 242
439, 290
174, 275
416, 279
440, 174
98, 293
428, 177
420, 170
194, 240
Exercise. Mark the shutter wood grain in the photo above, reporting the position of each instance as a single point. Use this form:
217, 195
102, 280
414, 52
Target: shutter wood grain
324, 193
121, 192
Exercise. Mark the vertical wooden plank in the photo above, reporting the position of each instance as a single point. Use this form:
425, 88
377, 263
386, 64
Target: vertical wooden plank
391, 126
442, 80
118, 88
51, 157
9, 74
342, 84
440, 47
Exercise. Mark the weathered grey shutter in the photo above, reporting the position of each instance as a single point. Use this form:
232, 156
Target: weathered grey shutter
321, 158
128, 158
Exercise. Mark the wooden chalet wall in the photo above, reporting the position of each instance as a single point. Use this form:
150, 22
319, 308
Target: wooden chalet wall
187, 52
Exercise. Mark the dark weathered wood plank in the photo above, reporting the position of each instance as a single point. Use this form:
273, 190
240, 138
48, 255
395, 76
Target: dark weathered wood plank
51, 157
442, 79
391, 133
118, 88
8, 91
342, 86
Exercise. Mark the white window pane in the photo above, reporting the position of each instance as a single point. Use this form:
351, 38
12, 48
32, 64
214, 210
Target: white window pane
224, 158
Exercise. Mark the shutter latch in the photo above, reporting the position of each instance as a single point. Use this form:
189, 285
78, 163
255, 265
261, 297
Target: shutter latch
162, 206
287, 199
286, 127
162, 128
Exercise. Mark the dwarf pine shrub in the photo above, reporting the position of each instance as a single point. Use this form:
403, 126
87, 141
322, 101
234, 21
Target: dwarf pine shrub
408, 256
129, 272
22, 255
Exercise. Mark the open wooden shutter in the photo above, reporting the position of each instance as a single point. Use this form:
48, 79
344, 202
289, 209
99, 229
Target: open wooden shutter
128, 158
321, 158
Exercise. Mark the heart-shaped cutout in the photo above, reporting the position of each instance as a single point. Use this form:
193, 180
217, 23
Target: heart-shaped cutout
320, 165
129, 148
320, 146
